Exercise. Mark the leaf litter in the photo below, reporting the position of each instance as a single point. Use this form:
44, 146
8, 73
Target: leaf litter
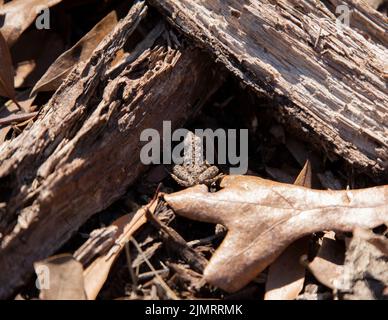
297, 230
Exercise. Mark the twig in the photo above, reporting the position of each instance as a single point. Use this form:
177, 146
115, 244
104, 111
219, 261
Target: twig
17, 104
319, 34
206, 240
130, 269
179, 245
164, 285
147, 275
20, 117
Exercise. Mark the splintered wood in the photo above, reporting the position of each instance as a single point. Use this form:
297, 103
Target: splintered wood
330, 81
82, 152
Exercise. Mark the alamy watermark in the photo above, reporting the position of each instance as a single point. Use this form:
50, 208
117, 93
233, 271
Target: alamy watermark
343, 19
43, 19
43, 277
231, 146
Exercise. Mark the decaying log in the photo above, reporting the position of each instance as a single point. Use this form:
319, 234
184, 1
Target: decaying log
83, 150
330, 83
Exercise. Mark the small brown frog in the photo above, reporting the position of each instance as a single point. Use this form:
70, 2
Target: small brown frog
194, 169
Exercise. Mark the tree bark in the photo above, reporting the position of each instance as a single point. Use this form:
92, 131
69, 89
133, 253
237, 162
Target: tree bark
82, 152
329, 83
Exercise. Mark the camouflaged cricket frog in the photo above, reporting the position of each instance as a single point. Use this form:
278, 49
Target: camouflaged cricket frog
194, 170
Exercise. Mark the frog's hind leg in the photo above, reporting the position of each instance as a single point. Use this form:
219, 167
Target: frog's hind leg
209, 176
181, 182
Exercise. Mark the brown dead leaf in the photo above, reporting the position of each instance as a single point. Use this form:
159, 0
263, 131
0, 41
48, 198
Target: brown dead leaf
60, 278
19, 15
22, 71
81, 51
264, 217
99, 241
7, 88
96, 274
305, 177
68, 279
286, 275
32, 61
327, 266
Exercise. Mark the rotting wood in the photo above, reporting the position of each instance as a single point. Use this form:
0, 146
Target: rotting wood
330, 86
82, 152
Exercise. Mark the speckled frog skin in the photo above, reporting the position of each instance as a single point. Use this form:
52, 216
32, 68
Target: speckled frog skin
194, 169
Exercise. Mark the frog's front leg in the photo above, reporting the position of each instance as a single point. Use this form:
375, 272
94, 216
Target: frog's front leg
182, 176
181, 182
209, 176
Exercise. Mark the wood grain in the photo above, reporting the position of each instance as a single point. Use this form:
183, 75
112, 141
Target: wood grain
82, 152
329, 85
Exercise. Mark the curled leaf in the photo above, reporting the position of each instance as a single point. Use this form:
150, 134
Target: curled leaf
97, 272
286, 275
19, 15
81, 51
32, 61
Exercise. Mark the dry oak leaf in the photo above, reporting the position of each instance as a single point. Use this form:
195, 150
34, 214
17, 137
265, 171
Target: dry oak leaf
19, 15
81, 51
97, 272
264, 217
286, 275
32, 61
327, 266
